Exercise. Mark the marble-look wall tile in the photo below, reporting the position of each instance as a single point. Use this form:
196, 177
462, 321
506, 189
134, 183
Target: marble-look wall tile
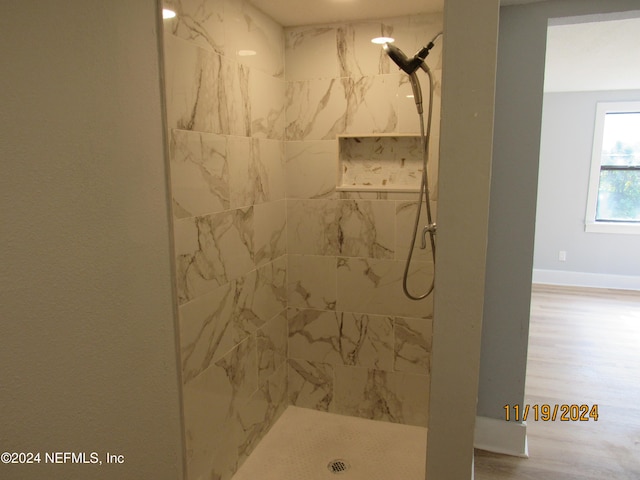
408, 119
198, 21
212, 250
405, 222
269, 159
312, 227
311, 53
310, 385
357, 55
269, 223
375, 286
316, 109
412, 344
372, 104
341, 338
270, 287
248, 30
203, 443
213, 324
205, 91
256, 171
261, 412
377, 395
267, 96
212, 399
272, 347
209, 328
199, 173
359, 228
244, 173
365, 228
311, 169
311, 281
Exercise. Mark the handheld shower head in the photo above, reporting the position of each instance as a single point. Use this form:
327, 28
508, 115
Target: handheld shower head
409, 66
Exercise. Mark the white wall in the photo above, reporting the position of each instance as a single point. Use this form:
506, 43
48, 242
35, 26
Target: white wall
565, 159
87, 343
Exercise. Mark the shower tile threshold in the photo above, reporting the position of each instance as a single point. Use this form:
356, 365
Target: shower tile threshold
305, 444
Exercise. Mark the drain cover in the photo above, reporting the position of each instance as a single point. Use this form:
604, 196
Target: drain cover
338, 466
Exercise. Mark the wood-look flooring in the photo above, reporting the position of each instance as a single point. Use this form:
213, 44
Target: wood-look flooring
584, 348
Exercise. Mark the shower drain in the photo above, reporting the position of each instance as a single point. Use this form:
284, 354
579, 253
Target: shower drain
338, 466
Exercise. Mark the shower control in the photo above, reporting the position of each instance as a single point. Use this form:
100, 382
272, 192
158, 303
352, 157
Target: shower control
429, 229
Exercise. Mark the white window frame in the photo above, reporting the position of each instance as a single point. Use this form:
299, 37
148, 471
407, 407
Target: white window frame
591, 225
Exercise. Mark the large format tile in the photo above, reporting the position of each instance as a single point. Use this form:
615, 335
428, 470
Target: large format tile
311, 53
357, 55
212, 250
260, 412
311, 282
375, 286
372, 104
270, 232
253, 38
210, 405
205, 91
267, 97
316, 109
198, 21
310, 384
214, 323
358, 228
199, 173
269, 161
272, 346
412, 344
340, 338
311, 168
209, 328
390, 396
405, 225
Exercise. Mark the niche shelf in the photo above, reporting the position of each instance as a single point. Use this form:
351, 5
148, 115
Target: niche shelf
379, 163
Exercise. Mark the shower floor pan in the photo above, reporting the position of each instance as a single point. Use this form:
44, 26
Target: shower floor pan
306, 444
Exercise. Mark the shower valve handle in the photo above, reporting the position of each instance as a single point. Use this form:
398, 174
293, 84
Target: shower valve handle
429, 229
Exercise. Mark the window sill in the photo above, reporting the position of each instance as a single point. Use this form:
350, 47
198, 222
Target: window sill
613, 227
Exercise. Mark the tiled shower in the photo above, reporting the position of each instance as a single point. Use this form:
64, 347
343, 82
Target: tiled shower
289, 284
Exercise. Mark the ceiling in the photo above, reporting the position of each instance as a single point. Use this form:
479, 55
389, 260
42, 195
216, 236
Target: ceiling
290, 12
596, 55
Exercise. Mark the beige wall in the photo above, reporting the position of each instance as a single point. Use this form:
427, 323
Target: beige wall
469, 66
87, 343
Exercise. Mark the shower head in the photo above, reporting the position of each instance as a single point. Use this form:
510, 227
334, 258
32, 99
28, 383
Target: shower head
409, 66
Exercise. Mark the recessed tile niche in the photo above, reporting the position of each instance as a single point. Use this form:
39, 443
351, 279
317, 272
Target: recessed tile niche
390, 163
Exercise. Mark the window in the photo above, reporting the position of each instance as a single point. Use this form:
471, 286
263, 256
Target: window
613, 202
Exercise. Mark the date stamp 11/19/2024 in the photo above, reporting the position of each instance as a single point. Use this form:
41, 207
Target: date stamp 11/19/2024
551, 413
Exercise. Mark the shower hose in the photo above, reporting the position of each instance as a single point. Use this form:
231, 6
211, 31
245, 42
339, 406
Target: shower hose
424, 192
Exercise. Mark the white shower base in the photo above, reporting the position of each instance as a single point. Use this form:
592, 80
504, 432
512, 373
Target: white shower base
303, 442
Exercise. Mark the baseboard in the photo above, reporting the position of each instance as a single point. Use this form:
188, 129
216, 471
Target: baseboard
583, 279
500, 436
